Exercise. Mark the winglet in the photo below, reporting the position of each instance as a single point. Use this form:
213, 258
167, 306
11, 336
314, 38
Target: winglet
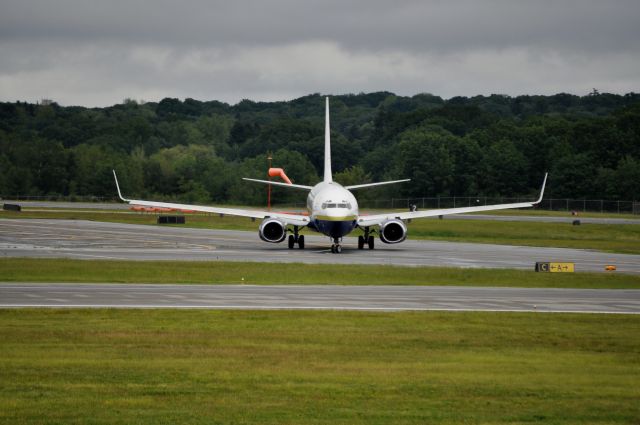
544, 183
118, 186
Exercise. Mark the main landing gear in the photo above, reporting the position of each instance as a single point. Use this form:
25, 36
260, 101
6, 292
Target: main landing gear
366, 239
296, 239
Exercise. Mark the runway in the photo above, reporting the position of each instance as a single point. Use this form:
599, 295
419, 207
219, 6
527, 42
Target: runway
320, 297
98, 240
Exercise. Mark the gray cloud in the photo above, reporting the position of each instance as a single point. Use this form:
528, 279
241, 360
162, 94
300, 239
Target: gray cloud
97, 53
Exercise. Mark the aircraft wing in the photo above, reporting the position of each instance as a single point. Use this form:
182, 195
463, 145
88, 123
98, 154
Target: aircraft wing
373, 220
293, 219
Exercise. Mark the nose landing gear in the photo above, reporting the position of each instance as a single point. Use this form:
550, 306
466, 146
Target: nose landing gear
336, 248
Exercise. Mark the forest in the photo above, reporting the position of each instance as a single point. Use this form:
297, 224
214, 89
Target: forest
197, 151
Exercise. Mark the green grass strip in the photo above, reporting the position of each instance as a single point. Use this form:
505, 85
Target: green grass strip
220, 272
282, 367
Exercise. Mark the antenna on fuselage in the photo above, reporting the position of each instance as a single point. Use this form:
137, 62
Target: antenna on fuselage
327, 145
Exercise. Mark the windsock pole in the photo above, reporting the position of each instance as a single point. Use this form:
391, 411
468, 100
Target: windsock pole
269, 187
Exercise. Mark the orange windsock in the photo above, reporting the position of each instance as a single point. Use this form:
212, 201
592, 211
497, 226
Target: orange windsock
275, 172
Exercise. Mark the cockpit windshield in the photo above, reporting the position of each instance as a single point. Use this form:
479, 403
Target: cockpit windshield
332, 205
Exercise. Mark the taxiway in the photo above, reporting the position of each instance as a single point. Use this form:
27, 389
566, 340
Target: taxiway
99, 240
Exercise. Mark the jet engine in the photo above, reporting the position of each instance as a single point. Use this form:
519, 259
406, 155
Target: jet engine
272, 230
393, 231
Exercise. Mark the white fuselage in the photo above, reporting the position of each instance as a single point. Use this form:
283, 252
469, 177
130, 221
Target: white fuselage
333, 210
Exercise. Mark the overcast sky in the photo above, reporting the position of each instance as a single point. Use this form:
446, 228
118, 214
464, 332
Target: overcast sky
97, 53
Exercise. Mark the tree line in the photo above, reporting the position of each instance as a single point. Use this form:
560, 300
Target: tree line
196, 151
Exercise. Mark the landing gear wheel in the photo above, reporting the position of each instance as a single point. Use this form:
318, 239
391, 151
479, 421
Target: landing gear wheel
292, 241
360, 242
333, 249
370, 242
338, 249
301, 241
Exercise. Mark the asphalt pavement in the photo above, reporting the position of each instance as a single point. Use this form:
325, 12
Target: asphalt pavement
81, 239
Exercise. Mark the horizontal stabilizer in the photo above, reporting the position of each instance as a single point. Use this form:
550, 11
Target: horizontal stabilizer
360, 186
289, 185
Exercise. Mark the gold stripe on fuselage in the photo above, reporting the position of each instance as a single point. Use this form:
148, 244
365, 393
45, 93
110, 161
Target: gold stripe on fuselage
330, 218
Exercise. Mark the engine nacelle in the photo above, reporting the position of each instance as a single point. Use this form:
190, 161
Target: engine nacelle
272, 230
393, 231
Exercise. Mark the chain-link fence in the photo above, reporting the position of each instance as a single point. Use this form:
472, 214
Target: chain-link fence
61, 198
550, 204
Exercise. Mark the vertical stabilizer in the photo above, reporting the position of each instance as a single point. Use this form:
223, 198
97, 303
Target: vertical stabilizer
327, 146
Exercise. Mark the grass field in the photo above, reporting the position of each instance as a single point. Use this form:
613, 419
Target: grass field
283, 367
98, 271
167, 367
603, 237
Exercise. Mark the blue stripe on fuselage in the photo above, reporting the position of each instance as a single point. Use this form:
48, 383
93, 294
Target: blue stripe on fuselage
334, 229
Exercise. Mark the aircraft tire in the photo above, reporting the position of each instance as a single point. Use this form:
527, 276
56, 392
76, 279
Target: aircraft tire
301, 242
360, 242
371, 242
292, 241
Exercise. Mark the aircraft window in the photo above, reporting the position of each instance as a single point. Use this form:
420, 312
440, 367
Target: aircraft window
324, 206
331, 206
343, 206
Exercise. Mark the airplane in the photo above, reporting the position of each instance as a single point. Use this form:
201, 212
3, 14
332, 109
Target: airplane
332, 210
